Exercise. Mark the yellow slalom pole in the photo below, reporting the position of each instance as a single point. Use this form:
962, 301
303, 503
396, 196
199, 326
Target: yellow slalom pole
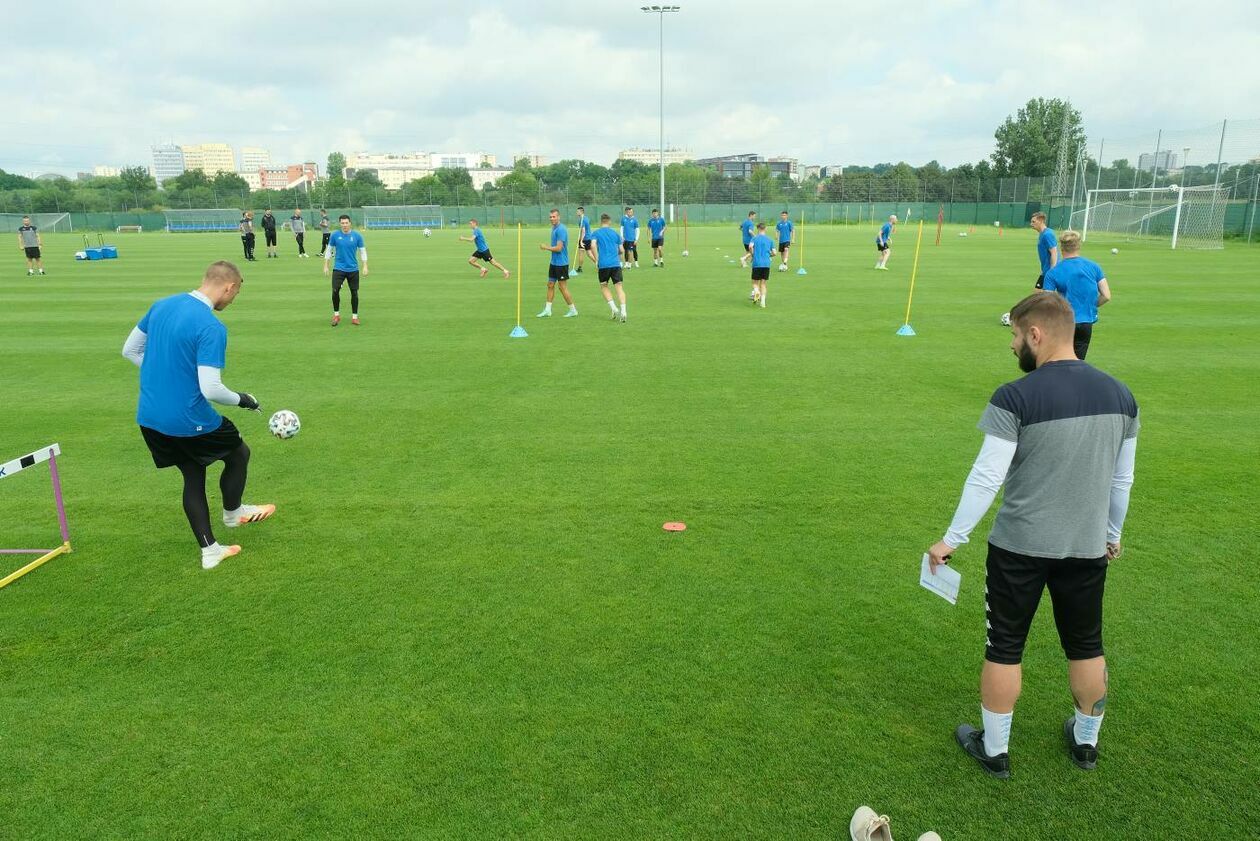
906, 329
800, 262
35, 564
519, 269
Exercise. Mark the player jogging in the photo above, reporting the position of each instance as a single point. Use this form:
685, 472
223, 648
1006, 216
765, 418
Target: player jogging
1083, 283
246, 227
608, 253
325, 228
747, 228
269, 232
883, 242
348, 248
1062, 440
761, 249
584, 232
786, 230
31, 244
482, 252
1047, 246
180, 348
630, 237
656, 224
298, 225
558, 271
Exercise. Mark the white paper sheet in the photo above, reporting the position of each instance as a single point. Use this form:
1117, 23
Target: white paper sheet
944, 583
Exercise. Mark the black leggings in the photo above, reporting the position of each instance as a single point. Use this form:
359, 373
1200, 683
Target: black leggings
301, 241
353, 283
1080, 340
231, 484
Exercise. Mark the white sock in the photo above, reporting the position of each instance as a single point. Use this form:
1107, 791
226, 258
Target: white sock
230, 515
763, 297
337, 312
997, 731
211, 551
354, 315
1086, 728
547, 307
612, 306
623, 310
572, 307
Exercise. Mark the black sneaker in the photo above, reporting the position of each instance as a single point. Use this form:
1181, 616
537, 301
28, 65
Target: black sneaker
1084, 757
971, 741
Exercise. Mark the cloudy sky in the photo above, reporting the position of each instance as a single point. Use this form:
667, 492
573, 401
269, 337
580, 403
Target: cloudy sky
826, 82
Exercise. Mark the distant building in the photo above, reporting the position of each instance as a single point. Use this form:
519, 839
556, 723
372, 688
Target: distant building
210, 158
253, 179
254, 158
461, 160
106, 172
487, 175
168, 162
1165, 160
742, 166
530, 158
830, 171
653, 156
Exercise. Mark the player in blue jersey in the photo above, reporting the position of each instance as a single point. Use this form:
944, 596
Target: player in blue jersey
883, 242
1083, 283
760, 250
656, 224
181, 350
608, 252
558, 271
786, 234
345, 250
1047, 247
747, 229
584, 233
482, 252
630, 238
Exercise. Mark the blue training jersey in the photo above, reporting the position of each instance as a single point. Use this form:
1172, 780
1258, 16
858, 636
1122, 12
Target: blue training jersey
746, 230
629, 228
560, 236
345, 247
607, 240
479, 240
1077, 279
182, 333
657, 227
1046, 240
586, 227
785, 231
762, 248
885, 232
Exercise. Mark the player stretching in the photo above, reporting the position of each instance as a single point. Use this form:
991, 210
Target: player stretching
786, 230
630, 237
31, 242
762, 247
608, 253
181, 349
298, 225
269, 232
345, 244
584, 231
478, 239
883, 242
1047, 247
325, 228
657, 226
558, 271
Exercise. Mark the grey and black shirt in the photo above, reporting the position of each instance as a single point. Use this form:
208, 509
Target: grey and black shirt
297, 224
29, 235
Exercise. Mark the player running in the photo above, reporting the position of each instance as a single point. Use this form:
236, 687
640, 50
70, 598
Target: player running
630, 237
1082, 282
608, 253
482, 252
348, 248
181, 349
786, 231
656, 224
1047, 247
883, 242
746, 230
761, 249
584, 231
31, 242
558, 271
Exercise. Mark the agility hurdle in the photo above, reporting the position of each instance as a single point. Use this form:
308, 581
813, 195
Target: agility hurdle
48, 454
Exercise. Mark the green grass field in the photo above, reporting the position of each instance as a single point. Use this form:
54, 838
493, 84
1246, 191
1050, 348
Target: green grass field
466, 621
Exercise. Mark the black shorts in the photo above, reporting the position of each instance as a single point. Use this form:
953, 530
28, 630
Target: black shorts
483, 255
555, 273
881, 247
270, 235
658, 243
339, 277
32, 252
784, 246
173, 450
1080, 340
613, 274
762, 273
1041, 282
631, 245
586, 245
1013, 586
748, 247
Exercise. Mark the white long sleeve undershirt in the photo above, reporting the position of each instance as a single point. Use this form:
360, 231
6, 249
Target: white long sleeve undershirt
212, 388
133, 348
983, 483
1121, 483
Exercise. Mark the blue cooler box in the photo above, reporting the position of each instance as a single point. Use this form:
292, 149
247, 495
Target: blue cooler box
94, 254
109, 252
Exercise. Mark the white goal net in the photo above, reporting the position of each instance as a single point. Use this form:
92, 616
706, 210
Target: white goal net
46, 222
1193, 217
403, 216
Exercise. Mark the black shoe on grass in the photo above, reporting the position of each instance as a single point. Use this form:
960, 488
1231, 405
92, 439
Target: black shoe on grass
971, 741
1084, 757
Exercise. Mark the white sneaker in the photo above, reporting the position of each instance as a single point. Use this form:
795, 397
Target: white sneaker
615, 315
868, 826
210, 559
571, 314
762, 301
545, 314
636, 264
752, 296
247, 514
929, 836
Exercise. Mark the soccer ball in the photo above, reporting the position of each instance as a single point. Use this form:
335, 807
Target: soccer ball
427, 233
1006, 319
284, 424
686, 253
1173, 187
1115, 251
962, 233
783, 267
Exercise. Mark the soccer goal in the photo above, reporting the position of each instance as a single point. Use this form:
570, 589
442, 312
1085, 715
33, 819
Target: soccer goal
45, 222
10, 468
403, 216
1193, 217
129, 229
196, 220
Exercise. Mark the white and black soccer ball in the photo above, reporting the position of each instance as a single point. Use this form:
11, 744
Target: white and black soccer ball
783, 267
1115, 251
284, 424
686, 253
1006, 319
427, 233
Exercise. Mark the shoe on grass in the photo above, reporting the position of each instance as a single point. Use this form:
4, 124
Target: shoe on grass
868, 826
971, 741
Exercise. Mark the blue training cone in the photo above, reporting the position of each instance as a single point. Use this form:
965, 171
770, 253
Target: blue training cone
905, 330
801, 270
518, 332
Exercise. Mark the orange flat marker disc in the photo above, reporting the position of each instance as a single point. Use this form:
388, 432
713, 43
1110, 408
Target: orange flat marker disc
675, 527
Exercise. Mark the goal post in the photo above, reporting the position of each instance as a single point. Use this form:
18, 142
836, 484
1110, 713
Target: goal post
201, 219
403, 216
129, 229
44, 454
1191, 217
50, 223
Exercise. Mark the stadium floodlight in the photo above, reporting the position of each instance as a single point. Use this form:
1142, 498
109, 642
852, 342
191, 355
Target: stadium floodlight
661, 11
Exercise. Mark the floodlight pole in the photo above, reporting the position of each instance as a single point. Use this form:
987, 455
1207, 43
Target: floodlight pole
660, 12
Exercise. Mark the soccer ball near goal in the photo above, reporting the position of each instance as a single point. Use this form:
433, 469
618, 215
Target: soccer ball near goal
427, 233
284, 424
1006, 319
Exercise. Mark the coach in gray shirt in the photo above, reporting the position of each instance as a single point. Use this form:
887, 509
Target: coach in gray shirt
1062, 440
298, 225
